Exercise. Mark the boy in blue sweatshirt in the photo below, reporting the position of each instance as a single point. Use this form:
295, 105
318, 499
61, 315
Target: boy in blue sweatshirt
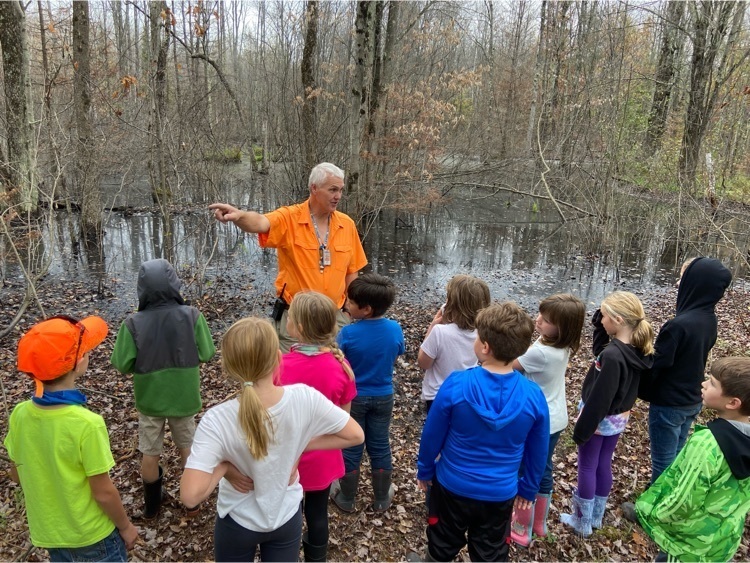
371, 344
484, 423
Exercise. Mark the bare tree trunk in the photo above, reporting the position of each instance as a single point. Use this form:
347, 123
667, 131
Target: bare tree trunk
18, 108
159, 48
86, 176
360, 102
710, 29
508, 129
309, 94
358, 111
531, 132
376, 65
671, 42
137, 40
120, 36
389, 48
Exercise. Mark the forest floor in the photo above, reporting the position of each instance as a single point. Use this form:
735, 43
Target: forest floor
364, 535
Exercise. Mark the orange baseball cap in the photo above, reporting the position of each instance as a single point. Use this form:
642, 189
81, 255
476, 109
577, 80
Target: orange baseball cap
53, 347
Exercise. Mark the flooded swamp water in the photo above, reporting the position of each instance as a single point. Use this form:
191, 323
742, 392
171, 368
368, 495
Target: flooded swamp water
517, 244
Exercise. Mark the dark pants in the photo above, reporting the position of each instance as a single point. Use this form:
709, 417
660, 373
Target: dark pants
373, 414
111, 548
455, 521
233, 542
595, 466
316, 515
545, 485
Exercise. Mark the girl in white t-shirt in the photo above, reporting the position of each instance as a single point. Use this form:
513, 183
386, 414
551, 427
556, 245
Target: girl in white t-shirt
261, 436
449, 343
559, 324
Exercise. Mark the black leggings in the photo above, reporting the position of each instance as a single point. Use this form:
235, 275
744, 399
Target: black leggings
316, 515
233, 542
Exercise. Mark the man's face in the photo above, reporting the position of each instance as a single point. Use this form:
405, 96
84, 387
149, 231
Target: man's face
327, 195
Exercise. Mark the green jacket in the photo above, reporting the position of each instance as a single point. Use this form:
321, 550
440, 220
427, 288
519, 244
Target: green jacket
695, 511
163, 344
171, 391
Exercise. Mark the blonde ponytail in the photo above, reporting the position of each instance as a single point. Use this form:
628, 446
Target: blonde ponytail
643, 337
250, 352
627, 306
339, 355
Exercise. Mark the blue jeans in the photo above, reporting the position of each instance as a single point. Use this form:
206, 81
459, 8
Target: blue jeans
668, 428
545, 485
111, 548
374, 415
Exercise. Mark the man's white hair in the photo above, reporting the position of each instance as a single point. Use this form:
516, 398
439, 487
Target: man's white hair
321, 171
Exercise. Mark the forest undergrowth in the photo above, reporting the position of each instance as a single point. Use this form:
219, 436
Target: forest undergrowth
363, 535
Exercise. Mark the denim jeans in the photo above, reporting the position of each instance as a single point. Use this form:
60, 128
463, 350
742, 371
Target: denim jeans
545, 485
374, 415
668, 429
111, 548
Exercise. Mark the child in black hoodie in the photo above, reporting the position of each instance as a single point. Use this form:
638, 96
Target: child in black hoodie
673, 387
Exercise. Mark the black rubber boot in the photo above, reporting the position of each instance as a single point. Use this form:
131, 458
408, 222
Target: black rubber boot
153, 495
345, 493
382, 489
314, 552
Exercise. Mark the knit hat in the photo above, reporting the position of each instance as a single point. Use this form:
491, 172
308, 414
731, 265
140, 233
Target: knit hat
53, 347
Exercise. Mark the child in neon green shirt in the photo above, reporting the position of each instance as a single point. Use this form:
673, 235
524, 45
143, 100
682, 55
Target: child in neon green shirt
60, 449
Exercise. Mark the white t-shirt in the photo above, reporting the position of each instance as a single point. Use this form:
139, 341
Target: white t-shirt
300, 415
452, 349
546, 365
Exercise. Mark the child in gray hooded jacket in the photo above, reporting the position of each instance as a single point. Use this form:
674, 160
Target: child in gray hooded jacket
162, 345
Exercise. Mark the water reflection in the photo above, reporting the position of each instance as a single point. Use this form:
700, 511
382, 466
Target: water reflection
522, 251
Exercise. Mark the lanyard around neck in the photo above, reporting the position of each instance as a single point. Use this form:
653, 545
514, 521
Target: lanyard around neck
323, 252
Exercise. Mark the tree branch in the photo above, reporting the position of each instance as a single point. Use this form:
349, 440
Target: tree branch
528, 194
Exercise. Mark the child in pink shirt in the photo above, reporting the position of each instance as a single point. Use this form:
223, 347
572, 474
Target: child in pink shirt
317, 361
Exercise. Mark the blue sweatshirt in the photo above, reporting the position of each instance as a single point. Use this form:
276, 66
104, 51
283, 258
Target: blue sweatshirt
483, 425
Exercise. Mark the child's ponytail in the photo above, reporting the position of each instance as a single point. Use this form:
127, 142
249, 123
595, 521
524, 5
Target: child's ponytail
643, 337
250, 351
339, 355
627, 306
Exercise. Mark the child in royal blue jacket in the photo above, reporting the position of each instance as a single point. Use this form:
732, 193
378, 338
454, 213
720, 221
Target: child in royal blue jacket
484, 423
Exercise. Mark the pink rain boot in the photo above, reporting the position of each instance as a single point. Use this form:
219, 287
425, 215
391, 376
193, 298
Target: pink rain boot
520, 527
541, 510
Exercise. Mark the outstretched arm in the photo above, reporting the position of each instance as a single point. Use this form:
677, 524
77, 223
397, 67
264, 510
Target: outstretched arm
248, 221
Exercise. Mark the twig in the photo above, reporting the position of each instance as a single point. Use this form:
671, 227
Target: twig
89, 390
25, 556
546, 167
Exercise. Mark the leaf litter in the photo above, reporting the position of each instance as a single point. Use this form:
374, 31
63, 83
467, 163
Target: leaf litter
363, 535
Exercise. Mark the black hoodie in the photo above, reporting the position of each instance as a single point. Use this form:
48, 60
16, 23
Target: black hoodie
683, 343
735, 445
611, 384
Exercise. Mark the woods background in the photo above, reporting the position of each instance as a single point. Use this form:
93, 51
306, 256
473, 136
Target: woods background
567, 101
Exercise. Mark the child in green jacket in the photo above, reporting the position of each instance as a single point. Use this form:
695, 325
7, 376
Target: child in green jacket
162, 345
695, 511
